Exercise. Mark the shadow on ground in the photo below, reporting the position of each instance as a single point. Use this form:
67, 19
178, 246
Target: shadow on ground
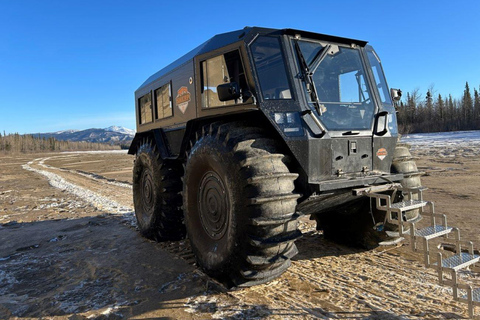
101, 268
62, 267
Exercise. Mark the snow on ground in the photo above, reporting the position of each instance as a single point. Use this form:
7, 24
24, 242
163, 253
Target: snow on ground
445, 144
442, 139
95, 151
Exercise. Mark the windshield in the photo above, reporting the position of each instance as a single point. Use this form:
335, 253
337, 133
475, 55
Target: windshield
344, 98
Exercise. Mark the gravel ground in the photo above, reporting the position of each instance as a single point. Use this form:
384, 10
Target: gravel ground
70, 250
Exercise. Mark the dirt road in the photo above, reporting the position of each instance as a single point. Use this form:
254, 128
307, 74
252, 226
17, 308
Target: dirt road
69, 250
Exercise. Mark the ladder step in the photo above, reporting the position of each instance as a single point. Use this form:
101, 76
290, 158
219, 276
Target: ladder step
395, 234
460, 261
396, 213
475, 295
409, 205
433, 232
391, 242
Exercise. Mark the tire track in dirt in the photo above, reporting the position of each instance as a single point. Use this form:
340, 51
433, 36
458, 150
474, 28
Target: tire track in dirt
90, 190
93, 176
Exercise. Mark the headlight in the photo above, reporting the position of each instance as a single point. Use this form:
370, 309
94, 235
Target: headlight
290, 123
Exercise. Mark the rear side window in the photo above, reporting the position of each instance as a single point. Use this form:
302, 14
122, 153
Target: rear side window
145, 108
163, 102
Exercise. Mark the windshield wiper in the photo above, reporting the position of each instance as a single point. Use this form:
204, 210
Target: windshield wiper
309, 70
319, 58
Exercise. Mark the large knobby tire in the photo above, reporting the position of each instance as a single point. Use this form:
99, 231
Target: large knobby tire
239, 205
157, 197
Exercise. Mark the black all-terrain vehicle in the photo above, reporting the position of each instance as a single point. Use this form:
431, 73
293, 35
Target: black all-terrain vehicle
253, 128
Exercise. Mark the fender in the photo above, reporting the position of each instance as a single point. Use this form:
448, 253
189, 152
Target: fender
155, 135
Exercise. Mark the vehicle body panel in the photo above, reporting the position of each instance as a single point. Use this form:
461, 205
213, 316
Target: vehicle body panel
325, 159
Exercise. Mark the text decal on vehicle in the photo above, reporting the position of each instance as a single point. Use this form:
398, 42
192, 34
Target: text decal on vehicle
182, 99
382, 153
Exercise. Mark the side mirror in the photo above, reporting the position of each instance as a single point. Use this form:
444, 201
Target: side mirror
228, 91
396, 94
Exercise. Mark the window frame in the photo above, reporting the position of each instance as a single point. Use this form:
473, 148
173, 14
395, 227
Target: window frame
201, 86
250, 105
285, 58
155, 106
140, 109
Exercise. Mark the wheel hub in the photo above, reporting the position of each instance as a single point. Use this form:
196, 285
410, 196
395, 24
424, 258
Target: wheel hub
147, 191
213, 205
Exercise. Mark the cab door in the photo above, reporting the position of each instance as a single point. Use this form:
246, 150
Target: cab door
221, 67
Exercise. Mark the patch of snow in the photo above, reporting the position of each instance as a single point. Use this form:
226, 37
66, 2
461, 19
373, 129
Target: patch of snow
112, 310
95, 152
443, 139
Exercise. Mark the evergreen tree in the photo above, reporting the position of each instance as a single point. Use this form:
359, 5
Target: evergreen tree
467, 108
440, 114
453, 114
429, 112
476, 109
436, 113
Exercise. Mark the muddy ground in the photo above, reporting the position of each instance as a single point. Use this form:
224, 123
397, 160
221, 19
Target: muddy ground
69, 249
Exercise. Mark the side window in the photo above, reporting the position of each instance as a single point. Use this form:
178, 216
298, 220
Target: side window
163, 102
380, 81
145, 108
271, 69
219, 70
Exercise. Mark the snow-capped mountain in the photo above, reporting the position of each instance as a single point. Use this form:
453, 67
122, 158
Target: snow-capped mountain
66, 131
121, 130
113, 134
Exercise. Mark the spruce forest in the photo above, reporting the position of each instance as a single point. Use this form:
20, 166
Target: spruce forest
420, 113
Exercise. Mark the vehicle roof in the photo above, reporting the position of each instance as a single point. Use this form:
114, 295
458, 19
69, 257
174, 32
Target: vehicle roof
224, 39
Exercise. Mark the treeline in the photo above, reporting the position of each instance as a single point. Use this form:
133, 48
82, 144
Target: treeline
429, 112
16, 143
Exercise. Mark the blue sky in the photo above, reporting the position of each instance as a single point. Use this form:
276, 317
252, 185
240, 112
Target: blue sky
74, 64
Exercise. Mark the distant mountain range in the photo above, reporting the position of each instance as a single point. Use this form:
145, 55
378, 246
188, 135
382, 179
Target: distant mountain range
113, 134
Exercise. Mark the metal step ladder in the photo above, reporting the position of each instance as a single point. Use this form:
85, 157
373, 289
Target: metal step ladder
447, 265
